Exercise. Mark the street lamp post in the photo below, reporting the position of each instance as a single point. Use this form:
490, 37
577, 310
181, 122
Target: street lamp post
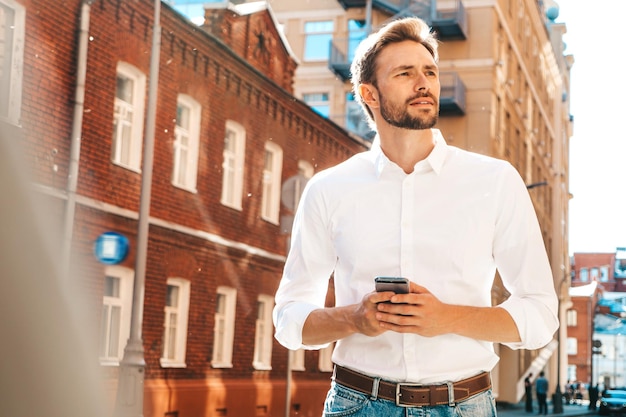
557, 397
129, 401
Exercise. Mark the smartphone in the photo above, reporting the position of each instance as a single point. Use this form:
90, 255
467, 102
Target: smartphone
399, 285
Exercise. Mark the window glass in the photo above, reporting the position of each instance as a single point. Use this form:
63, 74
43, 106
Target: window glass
233, 165
318, 36
115, 314
176, 316
186, 143
318, 102
12, 23
584, 274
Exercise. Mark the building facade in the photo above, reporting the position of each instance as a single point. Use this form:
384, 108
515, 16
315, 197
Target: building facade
607, 269
580, 325
231, 148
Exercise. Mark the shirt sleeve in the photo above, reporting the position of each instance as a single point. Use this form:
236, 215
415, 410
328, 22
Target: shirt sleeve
307, 271
523, 264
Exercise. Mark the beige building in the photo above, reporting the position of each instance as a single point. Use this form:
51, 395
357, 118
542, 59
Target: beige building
505, 93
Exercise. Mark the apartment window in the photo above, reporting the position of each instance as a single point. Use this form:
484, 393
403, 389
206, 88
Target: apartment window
175, 323
186, 143
318, 102
357, 32
572, 346
233, 165
224, 330
595, 274
318, 36
296, 358
604, 274
12, 22
584, 275
272, 170
325, 358
572, 318
263, 333
128, 116
116, 314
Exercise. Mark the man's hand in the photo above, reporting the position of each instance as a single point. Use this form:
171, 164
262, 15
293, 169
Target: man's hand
422, 313
417, 312
333, 323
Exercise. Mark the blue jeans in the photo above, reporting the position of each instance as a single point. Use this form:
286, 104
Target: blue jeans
344, 402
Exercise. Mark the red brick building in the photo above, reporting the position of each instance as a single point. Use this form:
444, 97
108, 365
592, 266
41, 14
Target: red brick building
232, 148
580, 315
608, 269
593, 274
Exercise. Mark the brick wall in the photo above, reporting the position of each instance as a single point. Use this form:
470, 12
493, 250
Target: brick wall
228, 87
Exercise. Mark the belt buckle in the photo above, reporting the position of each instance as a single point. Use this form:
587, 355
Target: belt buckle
399, 386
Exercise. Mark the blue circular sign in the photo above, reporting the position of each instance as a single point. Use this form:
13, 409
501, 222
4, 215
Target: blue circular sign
111, 248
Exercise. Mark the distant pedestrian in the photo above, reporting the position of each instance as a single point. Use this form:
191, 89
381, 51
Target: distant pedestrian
528, 388
594, 392
541, 388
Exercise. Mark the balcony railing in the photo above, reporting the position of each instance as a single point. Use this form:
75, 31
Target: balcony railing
449, 22
452, 98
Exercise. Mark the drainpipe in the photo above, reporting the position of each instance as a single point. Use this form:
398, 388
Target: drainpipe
79, 105
368, 17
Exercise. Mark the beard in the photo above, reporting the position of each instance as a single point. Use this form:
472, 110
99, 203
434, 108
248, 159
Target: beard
398, 116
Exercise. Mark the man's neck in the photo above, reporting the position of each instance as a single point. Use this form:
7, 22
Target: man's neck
407, 147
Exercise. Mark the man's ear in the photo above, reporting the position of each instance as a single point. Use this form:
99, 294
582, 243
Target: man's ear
369, 95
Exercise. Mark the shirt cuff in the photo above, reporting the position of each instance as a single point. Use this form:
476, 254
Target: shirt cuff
535, 323
289, 321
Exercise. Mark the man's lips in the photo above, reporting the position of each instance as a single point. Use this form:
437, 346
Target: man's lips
423, 100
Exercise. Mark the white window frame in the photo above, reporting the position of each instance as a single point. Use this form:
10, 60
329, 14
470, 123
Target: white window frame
270, 202
132, 159
263, 335
572, 318
233, 165
186, 144
123, 301
325, 362
572, 346
175, 322
224, 329
11, 60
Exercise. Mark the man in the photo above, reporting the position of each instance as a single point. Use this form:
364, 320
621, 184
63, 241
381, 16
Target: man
528, 390
541, 388
413, 206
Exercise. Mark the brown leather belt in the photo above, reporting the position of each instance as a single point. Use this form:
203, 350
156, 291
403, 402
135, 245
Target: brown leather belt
413, 395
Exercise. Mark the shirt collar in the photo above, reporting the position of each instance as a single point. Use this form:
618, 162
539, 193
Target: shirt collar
434, 161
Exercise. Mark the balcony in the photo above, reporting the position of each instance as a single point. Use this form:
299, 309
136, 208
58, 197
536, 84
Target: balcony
452, 99
340, 58
450, 23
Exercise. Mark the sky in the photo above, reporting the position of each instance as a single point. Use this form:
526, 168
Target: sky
594, 37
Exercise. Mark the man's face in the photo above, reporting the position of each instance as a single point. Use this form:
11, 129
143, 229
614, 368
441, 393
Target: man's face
408, 86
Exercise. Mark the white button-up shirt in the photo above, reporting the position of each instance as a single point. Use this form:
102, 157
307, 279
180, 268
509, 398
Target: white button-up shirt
447, 226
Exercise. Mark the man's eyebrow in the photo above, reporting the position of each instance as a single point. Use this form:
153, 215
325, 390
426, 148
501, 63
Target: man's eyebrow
408, 67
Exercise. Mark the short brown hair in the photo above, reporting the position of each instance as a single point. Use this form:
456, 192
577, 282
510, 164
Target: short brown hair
363, 68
